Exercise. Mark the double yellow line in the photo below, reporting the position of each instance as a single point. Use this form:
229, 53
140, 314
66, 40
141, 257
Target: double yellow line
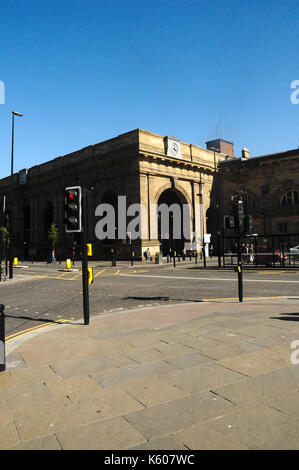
38, 327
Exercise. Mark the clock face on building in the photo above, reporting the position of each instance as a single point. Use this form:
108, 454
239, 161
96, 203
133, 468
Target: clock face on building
174, 149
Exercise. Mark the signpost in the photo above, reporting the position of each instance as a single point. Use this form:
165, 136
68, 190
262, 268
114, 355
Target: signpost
241, 224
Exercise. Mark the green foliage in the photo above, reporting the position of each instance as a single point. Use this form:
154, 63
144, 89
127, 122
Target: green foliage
53, 235
4, 234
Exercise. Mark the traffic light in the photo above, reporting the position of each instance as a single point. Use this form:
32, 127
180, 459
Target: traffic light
72, 209
248, 223
229, 221
128, 238
240, 213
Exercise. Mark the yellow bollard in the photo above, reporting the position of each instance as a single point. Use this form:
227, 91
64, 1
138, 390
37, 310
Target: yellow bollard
15, 261
68, 263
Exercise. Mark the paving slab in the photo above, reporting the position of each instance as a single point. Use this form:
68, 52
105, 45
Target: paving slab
12, 398
185, 376
31, 376
153, 391
116, 434
179, 414
164, 443
188, 360
42, 443
202, 378
124, 374
200, 437
8, 432
82, 366
259, 427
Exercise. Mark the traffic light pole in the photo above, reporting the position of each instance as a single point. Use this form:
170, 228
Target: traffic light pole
240, 271
84, 259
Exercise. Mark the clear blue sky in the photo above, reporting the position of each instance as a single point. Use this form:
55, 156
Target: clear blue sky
83, 71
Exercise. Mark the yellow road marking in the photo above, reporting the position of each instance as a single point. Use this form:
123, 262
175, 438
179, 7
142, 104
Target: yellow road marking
61, 275
237, 298
100, 272
75, 277
21, 333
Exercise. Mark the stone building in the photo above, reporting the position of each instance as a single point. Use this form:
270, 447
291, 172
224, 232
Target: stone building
146, 168
150, 169
272, 185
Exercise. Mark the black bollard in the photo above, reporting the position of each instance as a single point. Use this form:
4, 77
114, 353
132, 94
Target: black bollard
2, 339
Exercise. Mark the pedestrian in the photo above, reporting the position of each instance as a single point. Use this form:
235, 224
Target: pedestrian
251, 253
211, 251
148, 255
53, 257
113, 262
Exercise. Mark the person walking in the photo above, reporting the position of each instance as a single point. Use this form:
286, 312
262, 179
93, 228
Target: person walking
148, 255
53, 257
251, 253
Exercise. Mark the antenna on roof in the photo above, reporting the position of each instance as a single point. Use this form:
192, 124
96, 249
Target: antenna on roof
216, 124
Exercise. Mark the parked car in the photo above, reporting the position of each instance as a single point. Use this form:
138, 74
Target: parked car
295, 252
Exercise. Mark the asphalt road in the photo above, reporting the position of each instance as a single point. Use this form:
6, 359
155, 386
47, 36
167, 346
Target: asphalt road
42, 293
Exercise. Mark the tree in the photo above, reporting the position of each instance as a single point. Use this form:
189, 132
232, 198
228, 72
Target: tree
4, 239
53, 235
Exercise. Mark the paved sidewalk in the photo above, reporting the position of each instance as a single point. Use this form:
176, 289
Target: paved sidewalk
186, 376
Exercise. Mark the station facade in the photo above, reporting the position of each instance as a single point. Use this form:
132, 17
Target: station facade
149, 169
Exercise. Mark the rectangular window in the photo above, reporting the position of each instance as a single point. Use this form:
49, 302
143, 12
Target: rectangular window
282, 228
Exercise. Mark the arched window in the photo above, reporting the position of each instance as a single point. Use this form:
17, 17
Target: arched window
290, 199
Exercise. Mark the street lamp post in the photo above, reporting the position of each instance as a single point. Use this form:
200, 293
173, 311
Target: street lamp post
14, 113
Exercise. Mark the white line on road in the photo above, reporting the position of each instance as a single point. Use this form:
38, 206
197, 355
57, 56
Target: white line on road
209, 278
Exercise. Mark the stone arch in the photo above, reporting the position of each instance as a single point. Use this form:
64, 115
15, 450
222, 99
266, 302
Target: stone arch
179, 189
171, 233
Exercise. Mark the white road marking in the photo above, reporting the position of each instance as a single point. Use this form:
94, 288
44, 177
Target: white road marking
210, 278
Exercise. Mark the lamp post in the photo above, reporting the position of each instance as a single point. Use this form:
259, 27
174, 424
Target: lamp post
202, 224
14, 113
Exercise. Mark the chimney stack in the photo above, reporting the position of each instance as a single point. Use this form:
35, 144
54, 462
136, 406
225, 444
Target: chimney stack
221, 146
245, 153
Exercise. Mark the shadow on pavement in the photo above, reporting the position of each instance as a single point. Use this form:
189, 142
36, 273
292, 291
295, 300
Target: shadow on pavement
166, 299
285, 317
45, 320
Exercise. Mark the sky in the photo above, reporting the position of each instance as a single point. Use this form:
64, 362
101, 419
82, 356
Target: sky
84, 71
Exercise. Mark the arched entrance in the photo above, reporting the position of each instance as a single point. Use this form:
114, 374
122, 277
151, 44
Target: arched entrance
171, 221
